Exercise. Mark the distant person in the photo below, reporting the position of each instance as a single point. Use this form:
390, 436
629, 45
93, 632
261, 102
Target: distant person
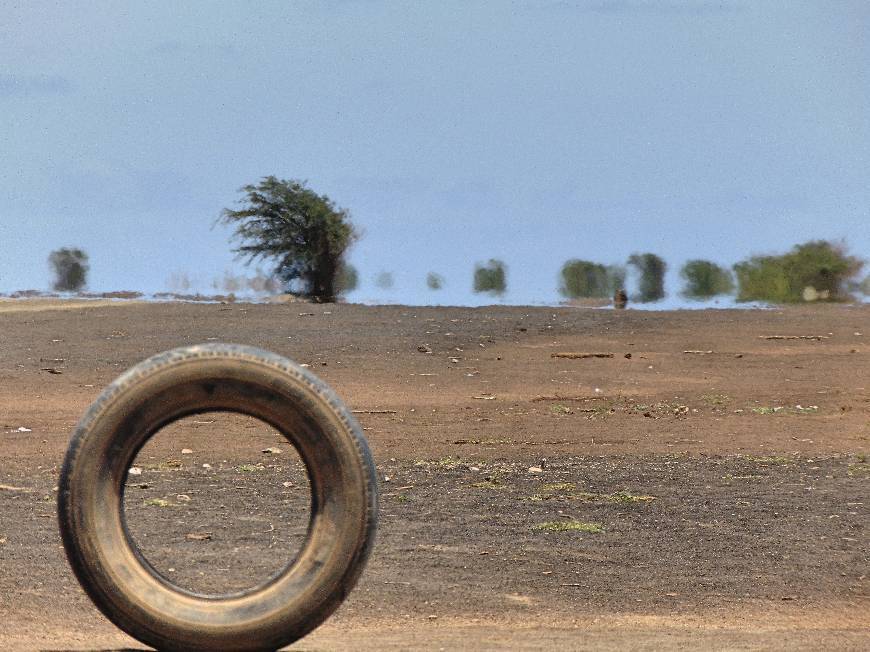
620, 299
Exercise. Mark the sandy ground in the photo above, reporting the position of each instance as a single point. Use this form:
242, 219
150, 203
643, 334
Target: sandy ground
723, 475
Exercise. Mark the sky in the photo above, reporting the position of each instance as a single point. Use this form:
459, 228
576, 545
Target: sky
453, 132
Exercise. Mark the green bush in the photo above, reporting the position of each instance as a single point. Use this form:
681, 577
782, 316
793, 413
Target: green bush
810, 271
585, 279
384, 280
347, 279
652, 276
434, 281
705, 279
70, 269
490, 278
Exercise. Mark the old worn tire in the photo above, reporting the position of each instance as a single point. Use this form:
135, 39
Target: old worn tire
191, 380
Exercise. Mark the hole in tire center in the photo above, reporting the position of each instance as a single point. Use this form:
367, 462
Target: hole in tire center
218, 502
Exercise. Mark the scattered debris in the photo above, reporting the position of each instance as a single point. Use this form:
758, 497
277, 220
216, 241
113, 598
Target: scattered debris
485, 397
272, 451
184, 498
198, 536
697, 352
578, 356
23, 429
424, 348
556, 397
794, 337
568, 526
134, 470
627, 356
51, 370
374, 411
9, 487
535, 469
186, 451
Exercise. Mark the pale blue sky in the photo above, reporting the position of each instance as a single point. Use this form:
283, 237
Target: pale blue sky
531, 131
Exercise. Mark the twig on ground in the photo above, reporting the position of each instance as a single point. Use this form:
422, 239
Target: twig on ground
793, 337
577, 356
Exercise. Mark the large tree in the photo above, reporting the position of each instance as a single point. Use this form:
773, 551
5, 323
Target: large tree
303, 232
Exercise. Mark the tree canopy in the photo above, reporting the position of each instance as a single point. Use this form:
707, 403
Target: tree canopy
585, 279
705, 279
490, 278
652, 276
304, 233
810, 271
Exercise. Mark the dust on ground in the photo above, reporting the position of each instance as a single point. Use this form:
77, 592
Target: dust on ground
704, 487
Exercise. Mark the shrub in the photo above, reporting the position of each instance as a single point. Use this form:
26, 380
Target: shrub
70, 269
384, 280
347, 279
490, 278
810, 271
583, 278
434, 281
705, 279
652, 276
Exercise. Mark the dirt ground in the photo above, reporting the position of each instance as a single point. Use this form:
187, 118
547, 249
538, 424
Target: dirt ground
706, 487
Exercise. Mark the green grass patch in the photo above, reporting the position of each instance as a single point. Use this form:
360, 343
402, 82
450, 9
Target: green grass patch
157, 502
859, 469
567, 491
626, 496
779, 409
568, 526
554, 487
250, 468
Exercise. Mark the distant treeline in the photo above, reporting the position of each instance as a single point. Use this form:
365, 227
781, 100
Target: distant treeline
815, 271
305, 238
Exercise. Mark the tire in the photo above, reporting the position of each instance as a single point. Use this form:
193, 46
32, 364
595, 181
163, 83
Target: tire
187, 381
